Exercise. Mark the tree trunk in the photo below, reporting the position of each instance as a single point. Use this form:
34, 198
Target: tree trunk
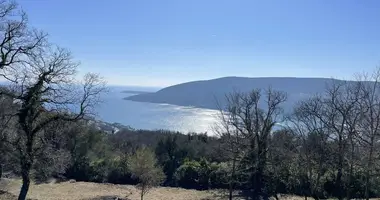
351, 170
338, 183
1, 170
25, 187
349, 182
258, 181
142, 195
368, 171
257, 184
26, 162
230, 192
232, 181
314, 191
254, 169
367, 186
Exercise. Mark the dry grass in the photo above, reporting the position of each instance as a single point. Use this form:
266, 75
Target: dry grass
97, 191
9, 189
88, 191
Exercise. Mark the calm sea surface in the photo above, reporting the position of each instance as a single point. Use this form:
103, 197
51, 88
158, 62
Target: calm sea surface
141, 115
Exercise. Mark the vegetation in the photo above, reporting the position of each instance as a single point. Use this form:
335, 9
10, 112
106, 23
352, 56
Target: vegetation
143, 166
43, 85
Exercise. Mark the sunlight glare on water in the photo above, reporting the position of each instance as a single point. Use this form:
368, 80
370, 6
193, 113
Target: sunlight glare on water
141, 115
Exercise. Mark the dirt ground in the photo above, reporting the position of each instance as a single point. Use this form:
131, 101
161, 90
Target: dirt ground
9, 189
96, 191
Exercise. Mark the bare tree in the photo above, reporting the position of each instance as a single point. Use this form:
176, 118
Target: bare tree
253, 116
369, 128
340, 115
232, 143
337, 109
313, 150
17, 39
46, 92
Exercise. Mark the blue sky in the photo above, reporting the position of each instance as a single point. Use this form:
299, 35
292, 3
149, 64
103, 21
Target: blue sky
165, 42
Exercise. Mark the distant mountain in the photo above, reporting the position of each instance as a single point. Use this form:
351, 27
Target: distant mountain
206, 93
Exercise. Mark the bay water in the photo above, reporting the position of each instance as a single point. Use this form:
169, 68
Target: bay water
142, 115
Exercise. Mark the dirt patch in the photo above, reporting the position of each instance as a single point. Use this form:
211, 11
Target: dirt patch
96, 191
8, 196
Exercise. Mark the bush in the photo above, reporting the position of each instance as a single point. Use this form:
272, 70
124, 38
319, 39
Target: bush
187, 175
201, 175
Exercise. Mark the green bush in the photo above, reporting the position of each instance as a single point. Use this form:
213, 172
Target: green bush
187, 175
202, 175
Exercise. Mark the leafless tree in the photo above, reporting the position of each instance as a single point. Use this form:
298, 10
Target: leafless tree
369, 128
17, 39
337, 109
341, 115
46, 92
232, 142
252, 116
313, 149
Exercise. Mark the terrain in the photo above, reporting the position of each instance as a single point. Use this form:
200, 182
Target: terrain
211, 93
9, 188
90, 191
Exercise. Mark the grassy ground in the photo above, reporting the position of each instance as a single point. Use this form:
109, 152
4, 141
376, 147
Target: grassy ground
95, 191
9, 189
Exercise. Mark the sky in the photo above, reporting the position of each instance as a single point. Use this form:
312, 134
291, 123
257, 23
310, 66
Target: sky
165, 42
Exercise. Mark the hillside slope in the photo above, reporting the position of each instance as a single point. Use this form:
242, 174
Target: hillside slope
205, 94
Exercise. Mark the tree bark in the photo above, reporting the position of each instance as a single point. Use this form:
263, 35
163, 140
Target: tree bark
142, 192
1, 170
258, 180
25, 187
338, 184
351, 170
232, 181
368, 174
26, 166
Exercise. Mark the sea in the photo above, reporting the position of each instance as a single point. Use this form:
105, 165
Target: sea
141, 115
